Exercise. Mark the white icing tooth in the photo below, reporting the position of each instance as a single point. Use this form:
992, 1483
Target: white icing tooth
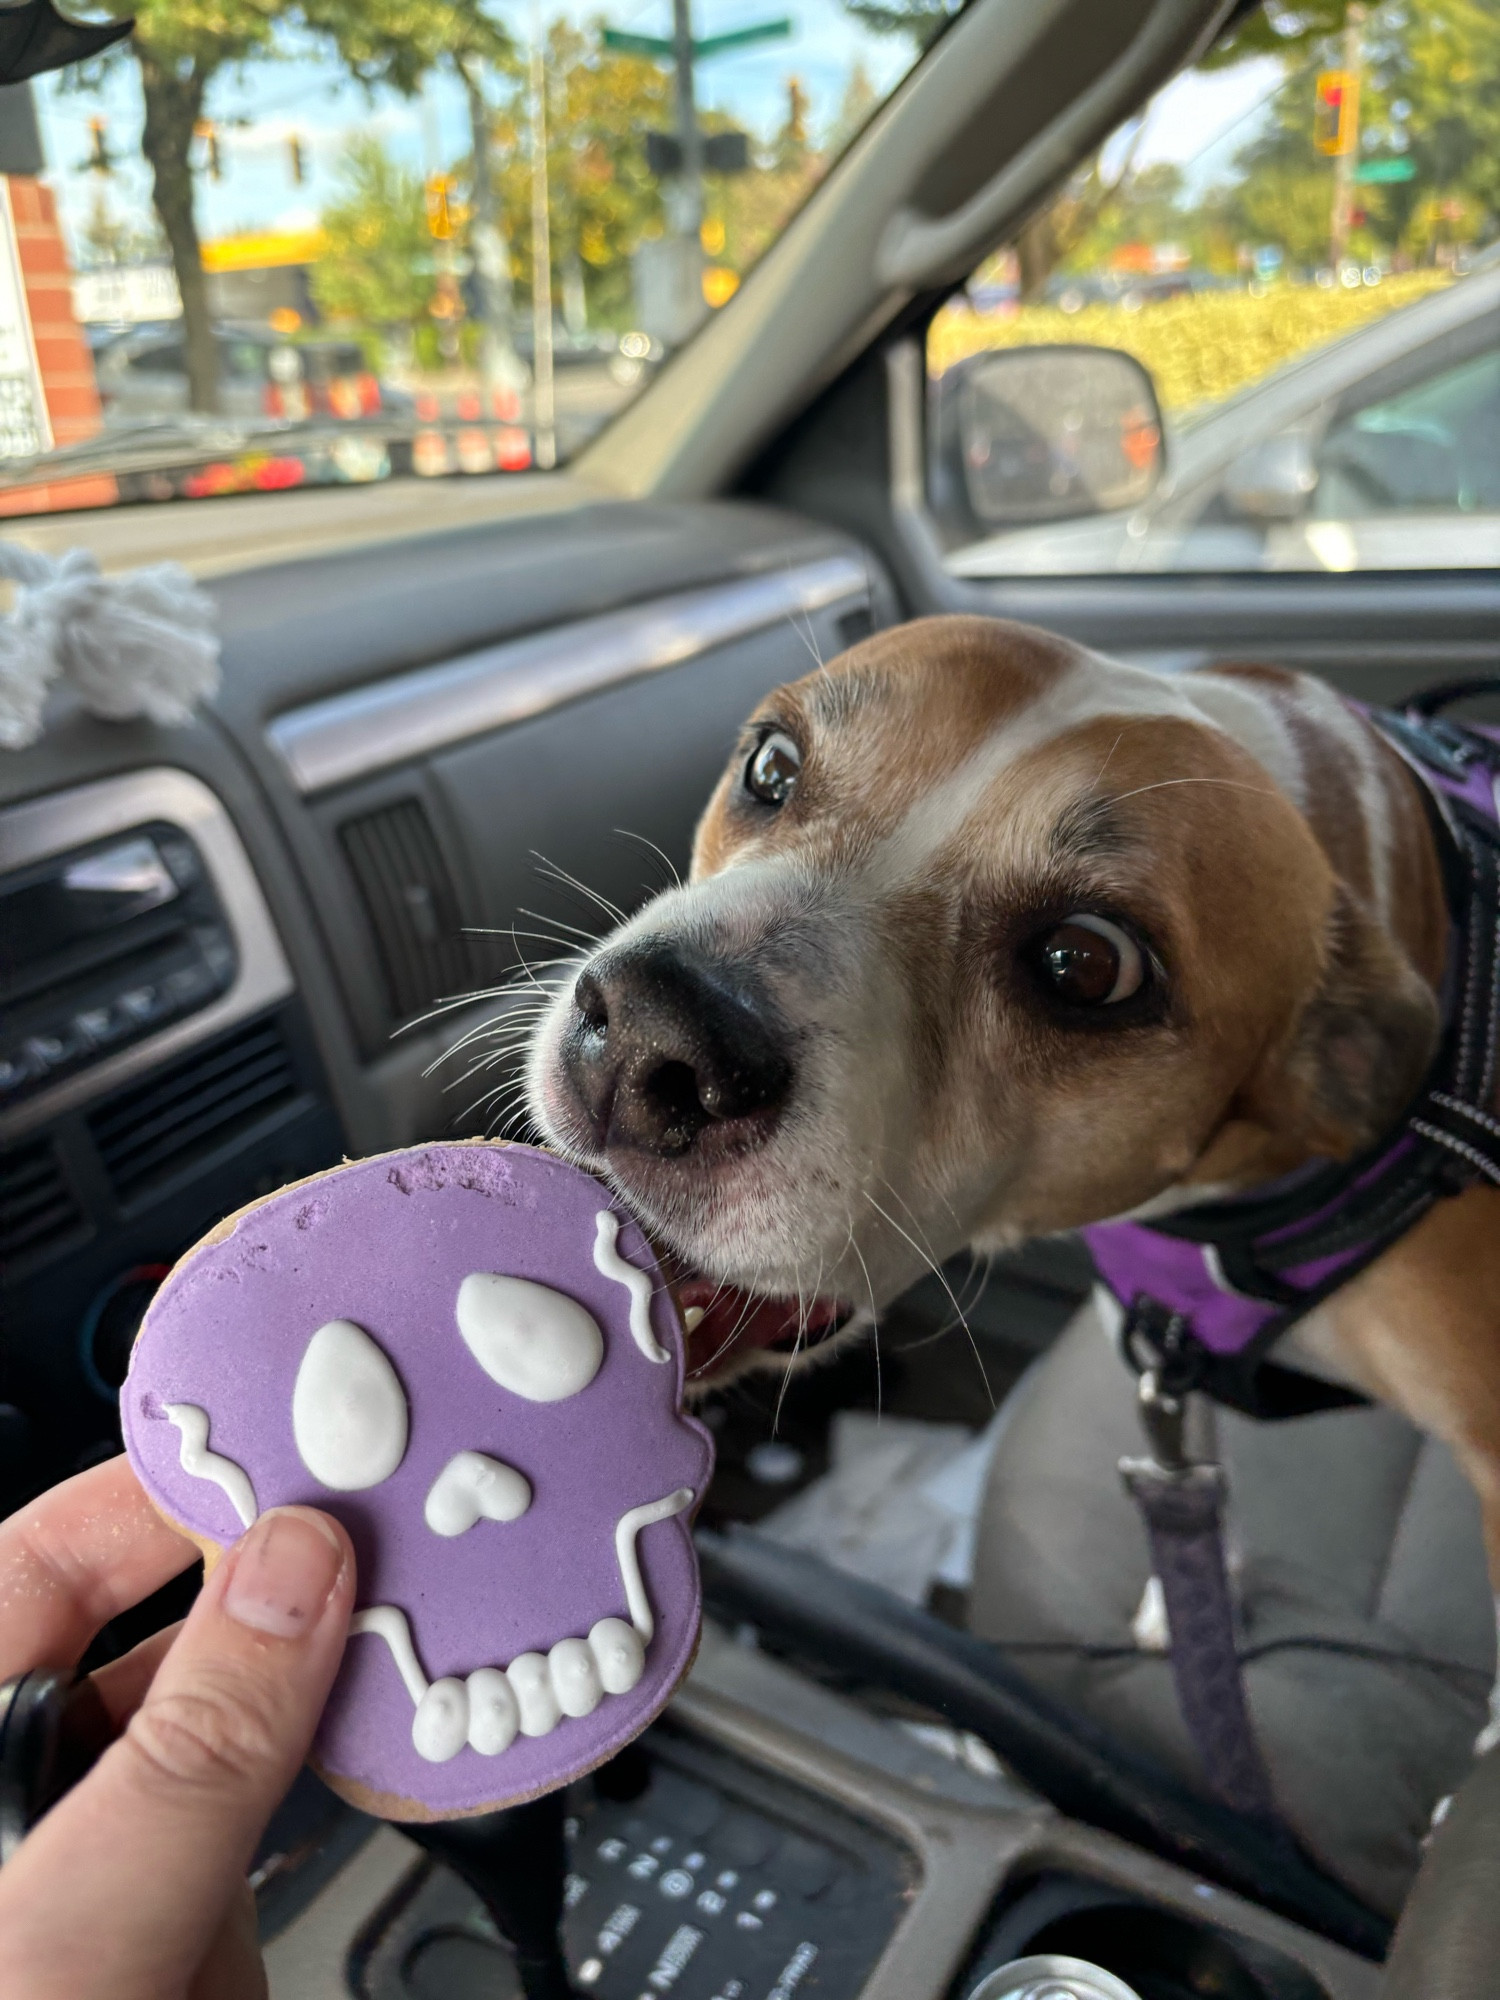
493, 1715
531, 1340
610, 1264
618, 1654
440, 1727
348, 1410
531, 1683
575, 1677
201, 1463
472, 1487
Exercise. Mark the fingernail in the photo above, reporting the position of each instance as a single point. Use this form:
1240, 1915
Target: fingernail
284, 1572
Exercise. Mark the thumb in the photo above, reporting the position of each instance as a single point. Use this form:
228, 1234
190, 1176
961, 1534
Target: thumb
123, 1886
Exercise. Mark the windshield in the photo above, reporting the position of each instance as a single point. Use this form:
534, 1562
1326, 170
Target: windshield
258, 246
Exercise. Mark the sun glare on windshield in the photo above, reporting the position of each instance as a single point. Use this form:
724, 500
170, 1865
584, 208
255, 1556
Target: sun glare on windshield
254, 247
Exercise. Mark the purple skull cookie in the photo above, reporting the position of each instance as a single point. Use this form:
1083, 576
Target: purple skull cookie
468, 1355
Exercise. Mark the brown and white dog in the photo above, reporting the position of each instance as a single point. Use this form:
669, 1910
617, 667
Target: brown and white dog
988, 936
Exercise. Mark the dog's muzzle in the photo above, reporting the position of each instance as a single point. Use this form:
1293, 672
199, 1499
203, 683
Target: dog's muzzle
663, 1056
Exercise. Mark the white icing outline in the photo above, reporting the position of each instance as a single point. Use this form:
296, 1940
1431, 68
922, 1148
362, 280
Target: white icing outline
468, 1475
626, 1529
389, 1622
201, 1463
609, 1263
531, 1340
357, 1444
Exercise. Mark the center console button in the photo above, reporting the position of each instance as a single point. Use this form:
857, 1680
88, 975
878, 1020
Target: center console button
15, 1073
101, 1026
48, 1052
218, 951
144, 1004
190, 985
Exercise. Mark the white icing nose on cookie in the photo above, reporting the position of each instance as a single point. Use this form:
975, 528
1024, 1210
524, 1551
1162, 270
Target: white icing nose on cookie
531, 1340
348, 1410
473, 1487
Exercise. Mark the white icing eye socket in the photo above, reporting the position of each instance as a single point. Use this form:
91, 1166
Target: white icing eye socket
529, 1339
472, 1487
349, 1415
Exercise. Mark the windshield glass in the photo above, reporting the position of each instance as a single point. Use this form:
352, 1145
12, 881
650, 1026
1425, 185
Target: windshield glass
258, 246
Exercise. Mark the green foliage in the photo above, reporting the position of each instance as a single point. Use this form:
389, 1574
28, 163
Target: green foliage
921, 21
377, 268
602, 198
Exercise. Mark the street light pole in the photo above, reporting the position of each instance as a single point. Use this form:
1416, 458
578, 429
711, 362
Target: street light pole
1347, 158
689, 194
543, 410
499, 367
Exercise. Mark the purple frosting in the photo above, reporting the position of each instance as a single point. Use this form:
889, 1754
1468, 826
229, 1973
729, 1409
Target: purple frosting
386, 1243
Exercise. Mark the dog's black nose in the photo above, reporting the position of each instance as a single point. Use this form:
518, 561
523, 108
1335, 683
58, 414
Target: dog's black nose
661, 1049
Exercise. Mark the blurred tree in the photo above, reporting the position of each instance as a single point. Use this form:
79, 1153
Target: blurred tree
377, 268
921, 21
857, 107
180, 46
603, 198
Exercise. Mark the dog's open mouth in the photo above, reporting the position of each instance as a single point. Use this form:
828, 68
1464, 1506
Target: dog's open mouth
723, 1323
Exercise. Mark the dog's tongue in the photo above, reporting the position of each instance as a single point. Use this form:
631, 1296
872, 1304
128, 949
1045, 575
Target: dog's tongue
722, 1320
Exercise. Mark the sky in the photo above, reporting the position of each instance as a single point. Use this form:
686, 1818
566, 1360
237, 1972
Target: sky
1198, 121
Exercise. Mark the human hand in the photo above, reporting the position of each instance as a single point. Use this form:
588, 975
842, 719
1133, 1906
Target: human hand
133, 1885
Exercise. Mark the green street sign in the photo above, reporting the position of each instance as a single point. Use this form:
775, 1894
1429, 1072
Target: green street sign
1386, 170
663, 48
763, 31
636, 45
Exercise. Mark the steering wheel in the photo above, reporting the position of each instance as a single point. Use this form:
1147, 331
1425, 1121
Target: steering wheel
1448, 1941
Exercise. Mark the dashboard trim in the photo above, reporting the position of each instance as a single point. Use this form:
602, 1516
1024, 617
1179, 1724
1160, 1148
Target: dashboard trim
352, 735
39, 828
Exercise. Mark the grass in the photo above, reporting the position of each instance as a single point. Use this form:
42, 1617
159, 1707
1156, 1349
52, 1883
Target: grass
1198, 349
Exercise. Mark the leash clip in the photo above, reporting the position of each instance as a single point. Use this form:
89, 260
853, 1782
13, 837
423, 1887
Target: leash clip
1164, 1420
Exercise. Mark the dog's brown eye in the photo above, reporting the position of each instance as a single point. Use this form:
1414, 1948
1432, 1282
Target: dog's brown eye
773, 770
1092, 962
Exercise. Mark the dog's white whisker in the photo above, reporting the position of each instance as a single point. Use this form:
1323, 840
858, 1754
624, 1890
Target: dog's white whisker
941, 1276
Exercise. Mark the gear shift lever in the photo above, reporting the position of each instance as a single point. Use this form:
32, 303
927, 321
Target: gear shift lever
516, 1862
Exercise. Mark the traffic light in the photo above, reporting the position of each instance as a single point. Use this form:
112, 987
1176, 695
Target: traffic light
1336, 111
205, 131
440, 207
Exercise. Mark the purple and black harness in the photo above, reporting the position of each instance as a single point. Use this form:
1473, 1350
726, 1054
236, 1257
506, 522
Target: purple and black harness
1208, 1291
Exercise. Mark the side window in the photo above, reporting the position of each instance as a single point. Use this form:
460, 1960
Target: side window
1260, 330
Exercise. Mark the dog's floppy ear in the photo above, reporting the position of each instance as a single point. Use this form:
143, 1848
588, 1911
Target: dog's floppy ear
1364, 1038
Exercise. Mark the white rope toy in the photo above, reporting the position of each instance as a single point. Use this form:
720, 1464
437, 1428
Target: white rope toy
142, 643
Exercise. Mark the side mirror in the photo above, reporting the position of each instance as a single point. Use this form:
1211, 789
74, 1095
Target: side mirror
1272, 480
1049, 433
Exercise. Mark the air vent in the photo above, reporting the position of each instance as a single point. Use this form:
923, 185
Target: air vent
182, 1112
410, 900
38, 1210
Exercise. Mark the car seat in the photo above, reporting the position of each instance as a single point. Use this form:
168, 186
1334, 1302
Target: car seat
1367, 1621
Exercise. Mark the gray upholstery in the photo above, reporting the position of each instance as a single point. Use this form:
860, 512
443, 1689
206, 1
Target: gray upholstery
1349, 1530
